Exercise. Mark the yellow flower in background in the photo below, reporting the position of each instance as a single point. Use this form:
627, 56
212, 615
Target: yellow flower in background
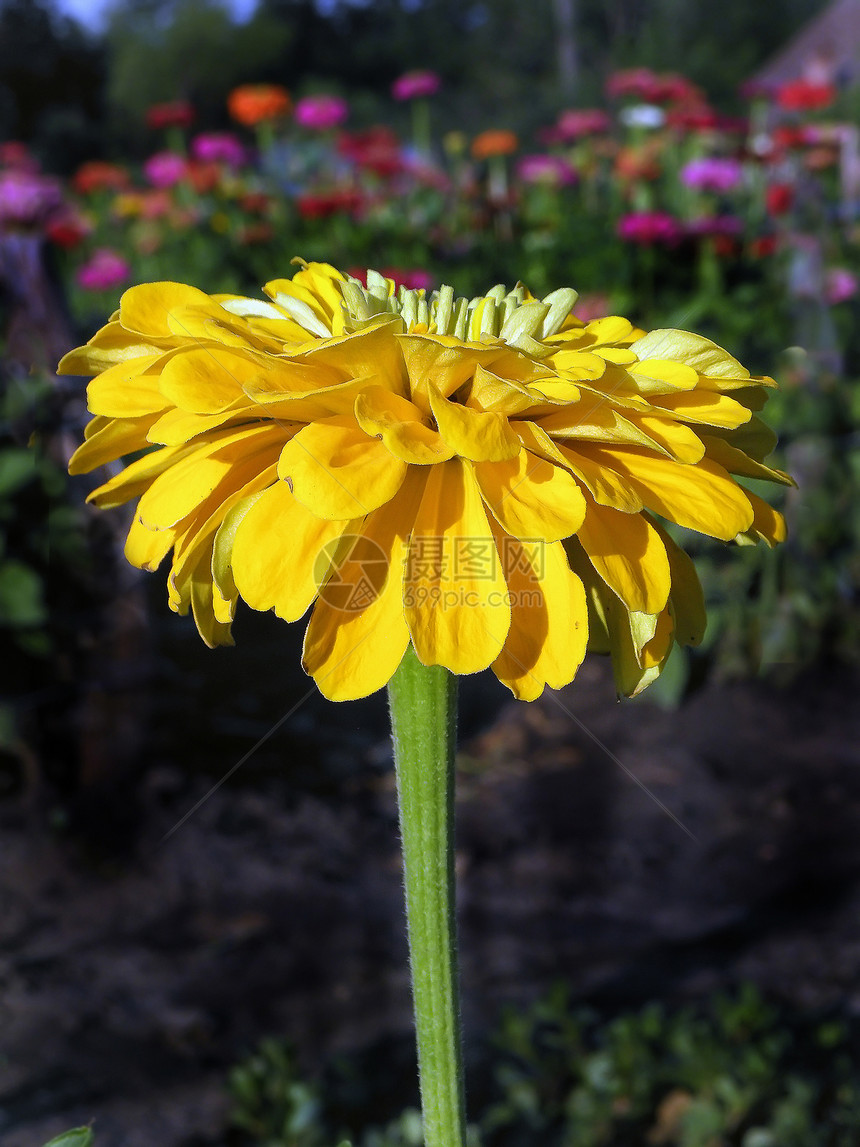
483, 477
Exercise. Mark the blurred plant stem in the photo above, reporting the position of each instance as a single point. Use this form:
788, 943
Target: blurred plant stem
423, 702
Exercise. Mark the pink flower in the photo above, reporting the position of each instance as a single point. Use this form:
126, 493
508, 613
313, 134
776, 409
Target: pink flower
548, 169
591, 306
840, 285
413, 85
712, 173
650, 227
27, 199
321, 113
104, 270
415, 280
14, 154
165, 168
577, 122
217, 147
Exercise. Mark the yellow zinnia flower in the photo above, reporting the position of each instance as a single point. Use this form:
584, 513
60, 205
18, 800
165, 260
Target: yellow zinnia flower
482, 477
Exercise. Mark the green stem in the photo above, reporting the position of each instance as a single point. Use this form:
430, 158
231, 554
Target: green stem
423, 702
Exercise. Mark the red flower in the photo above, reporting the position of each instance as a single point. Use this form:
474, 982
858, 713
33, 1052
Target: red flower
376, 150
763, 247
327, 203
67, 231
779, 198
97, 175
802, 95
179, 113
412, 280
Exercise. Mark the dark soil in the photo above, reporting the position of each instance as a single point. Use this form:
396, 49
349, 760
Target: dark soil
134, 972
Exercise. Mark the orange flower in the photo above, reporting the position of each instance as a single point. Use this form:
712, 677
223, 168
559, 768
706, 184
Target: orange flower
496, 142
251, 104
96, 175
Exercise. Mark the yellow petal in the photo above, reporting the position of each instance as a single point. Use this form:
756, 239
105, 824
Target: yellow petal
108, 346
137, 476
704, 406
207, 469
245, 480
455, 594
768, 524
704, 356
177, 426
125, 391
147, 548
338, 471
531, 498
475, 434
686, 599
604, 485
207, 380
145, 308
357, 633
629, 556
661, 376
107, 439
275, 551
549, 619
594, 422
441, 361
371, 352
737, 462
679, 441
397, 422
702, 497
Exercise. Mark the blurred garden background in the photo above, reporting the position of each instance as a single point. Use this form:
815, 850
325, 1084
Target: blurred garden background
201, 941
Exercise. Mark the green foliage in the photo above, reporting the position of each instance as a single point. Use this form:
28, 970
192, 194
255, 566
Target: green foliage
735, 1072
190, 49
78, 1137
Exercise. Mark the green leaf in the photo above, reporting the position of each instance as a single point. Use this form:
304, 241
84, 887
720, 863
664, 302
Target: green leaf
17, 468
78, 1137
21, 600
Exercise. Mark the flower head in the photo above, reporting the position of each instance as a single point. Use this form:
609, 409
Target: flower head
178, 113
649, 227
496, 141
577, 122
321, 113
165, 168
28, 199
712, 173
414, 85
218, 147
804, 95
547, 169
105, 270
97, 175
251, 104
484, 478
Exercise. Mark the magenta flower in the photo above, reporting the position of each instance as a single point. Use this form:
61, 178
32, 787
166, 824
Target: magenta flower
413, 85
548, 169
27, 199
577, 122
165, 168
650, 227
104, 270
321, 113
217, 147
840, 284
712, 174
